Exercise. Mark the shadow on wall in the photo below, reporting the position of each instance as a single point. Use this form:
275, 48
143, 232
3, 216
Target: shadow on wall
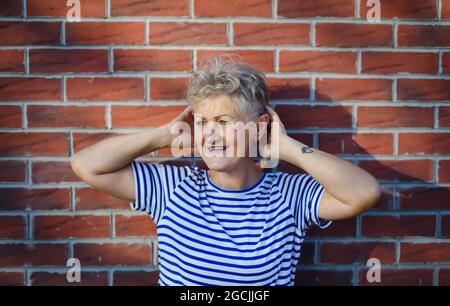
406, 185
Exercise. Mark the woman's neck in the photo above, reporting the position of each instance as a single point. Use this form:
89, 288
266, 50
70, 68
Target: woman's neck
241, 177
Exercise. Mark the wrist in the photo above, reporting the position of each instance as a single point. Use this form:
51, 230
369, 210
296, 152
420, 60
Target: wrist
287, 146
291, 149
163, 136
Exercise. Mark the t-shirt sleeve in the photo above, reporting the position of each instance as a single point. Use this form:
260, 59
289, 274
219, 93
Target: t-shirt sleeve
303, 194
154, 182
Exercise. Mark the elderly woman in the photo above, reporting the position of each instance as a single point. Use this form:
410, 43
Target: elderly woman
232, 224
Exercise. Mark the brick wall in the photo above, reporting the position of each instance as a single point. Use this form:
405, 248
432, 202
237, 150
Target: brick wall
376, 94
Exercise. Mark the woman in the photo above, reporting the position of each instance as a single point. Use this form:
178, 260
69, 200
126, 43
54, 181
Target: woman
232, 224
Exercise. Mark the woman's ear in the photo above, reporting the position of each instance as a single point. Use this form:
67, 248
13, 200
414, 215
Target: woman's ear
264, 118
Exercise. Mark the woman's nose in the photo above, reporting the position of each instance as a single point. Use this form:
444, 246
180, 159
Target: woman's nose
212, 129
213, 138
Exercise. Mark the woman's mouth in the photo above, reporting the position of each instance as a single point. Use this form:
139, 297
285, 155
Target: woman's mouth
216, 151
217, 148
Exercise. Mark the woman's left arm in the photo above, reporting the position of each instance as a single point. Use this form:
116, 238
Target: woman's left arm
349, 189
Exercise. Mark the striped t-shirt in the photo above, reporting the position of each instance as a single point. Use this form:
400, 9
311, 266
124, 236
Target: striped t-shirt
208, 235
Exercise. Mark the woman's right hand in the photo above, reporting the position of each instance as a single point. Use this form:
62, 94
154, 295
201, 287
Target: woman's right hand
183, 122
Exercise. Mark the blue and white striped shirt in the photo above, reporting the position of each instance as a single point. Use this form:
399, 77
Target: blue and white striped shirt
208, 235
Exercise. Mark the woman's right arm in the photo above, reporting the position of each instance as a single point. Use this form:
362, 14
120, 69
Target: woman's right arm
106, 165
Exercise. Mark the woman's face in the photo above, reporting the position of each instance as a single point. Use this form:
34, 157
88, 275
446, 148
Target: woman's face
218, 128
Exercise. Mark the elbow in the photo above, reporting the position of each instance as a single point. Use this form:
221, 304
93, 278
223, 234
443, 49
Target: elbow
77, 167
372, 195
75, 164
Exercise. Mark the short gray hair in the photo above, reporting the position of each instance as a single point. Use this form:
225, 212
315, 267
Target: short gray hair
243, 83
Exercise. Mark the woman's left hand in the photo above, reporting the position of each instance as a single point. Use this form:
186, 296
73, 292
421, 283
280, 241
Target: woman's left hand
276, 138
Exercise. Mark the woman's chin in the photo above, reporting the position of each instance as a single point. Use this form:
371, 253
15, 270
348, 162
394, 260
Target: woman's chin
221, 164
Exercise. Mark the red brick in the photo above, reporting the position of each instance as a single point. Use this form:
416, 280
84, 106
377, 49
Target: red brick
128, 226
143, 116
34, 199
105, 33
92, 199
29, 33
187, 33
152, 60
83, 140
168, 88
269, 34
12, 227
10, 116
18, 255
445, 226
423, 36
64, 227
261, 59
12, 171
317, 61
32, 89
308, 251
404, 9
314, 8
11, 61
52, 172
423, 90
425, 252
445, 9
105, 89
60, 279
33, 144
399, 170
444, 274
68, 61
349, 253
353, 89
150, 8
446, 63
340, 228
399, 62
359, 143
431, 198
11, 8
12, 279
314, 116
424, 143
386, 200
288, 88
353, 35
444, 171
58, 8
400, 277
307, 277
66, 116
398, 226
219, 8
91, 254
136, 278
389, 117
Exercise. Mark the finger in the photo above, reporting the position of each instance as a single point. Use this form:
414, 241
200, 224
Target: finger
272, 113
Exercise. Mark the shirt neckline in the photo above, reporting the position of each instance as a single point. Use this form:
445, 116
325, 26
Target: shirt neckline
210, 182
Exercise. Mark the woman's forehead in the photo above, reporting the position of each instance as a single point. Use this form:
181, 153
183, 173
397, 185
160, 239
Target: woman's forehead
216, 106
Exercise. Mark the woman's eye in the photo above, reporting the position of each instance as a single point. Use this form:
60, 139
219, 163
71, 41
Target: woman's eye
223, 122
200, 123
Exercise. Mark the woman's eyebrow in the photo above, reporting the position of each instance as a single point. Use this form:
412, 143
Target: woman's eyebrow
223, 115
216, 117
